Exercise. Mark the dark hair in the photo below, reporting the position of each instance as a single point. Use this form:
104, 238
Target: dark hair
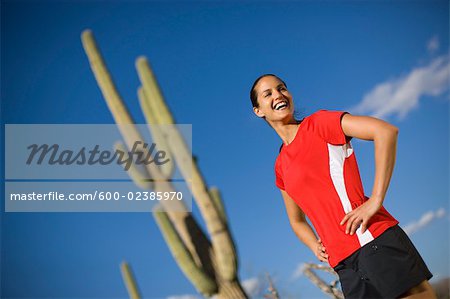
253, 95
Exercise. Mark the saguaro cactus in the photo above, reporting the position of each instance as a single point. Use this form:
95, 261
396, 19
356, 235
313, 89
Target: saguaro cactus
209, 263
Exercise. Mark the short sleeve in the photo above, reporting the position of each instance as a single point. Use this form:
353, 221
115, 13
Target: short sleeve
278, 175
327, 124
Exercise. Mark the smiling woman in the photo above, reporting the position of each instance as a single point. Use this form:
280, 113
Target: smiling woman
318, 176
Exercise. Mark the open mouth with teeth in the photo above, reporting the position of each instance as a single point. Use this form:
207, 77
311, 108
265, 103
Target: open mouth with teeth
281, 105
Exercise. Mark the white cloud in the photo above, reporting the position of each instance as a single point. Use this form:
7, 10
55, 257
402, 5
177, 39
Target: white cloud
402, 94
433, 44
440, 213
425, 220
252, 286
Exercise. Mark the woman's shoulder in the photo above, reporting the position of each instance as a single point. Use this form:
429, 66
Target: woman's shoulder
319, 113
322, 116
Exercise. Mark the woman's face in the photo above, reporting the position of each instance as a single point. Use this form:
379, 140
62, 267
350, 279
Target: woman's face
275, 101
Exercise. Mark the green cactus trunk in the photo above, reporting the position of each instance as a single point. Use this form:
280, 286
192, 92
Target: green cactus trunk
210, 264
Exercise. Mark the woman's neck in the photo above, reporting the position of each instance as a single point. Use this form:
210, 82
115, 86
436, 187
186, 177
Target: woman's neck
287, 131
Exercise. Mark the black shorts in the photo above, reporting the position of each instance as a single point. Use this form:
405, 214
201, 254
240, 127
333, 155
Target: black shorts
386, 267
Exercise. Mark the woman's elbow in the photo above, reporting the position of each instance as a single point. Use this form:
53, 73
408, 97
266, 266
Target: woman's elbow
389, 130
394, 130
295, 225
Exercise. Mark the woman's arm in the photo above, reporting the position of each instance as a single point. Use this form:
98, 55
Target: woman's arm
302, 228
384, 136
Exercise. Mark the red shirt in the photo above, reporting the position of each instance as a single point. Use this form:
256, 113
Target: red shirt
318, 170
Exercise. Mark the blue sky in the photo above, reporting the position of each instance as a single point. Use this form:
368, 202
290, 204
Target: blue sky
380, 58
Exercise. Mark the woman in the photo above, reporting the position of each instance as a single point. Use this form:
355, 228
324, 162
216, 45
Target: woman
317, 173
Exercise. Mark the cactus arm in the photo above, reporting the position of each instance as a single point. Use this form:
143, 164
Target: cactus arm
147, 108
114, 101
217, 199
126, 127
157, 134
104, 79
141, 179
220, 236
151, 88
202, 282
232, 262
130, 282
